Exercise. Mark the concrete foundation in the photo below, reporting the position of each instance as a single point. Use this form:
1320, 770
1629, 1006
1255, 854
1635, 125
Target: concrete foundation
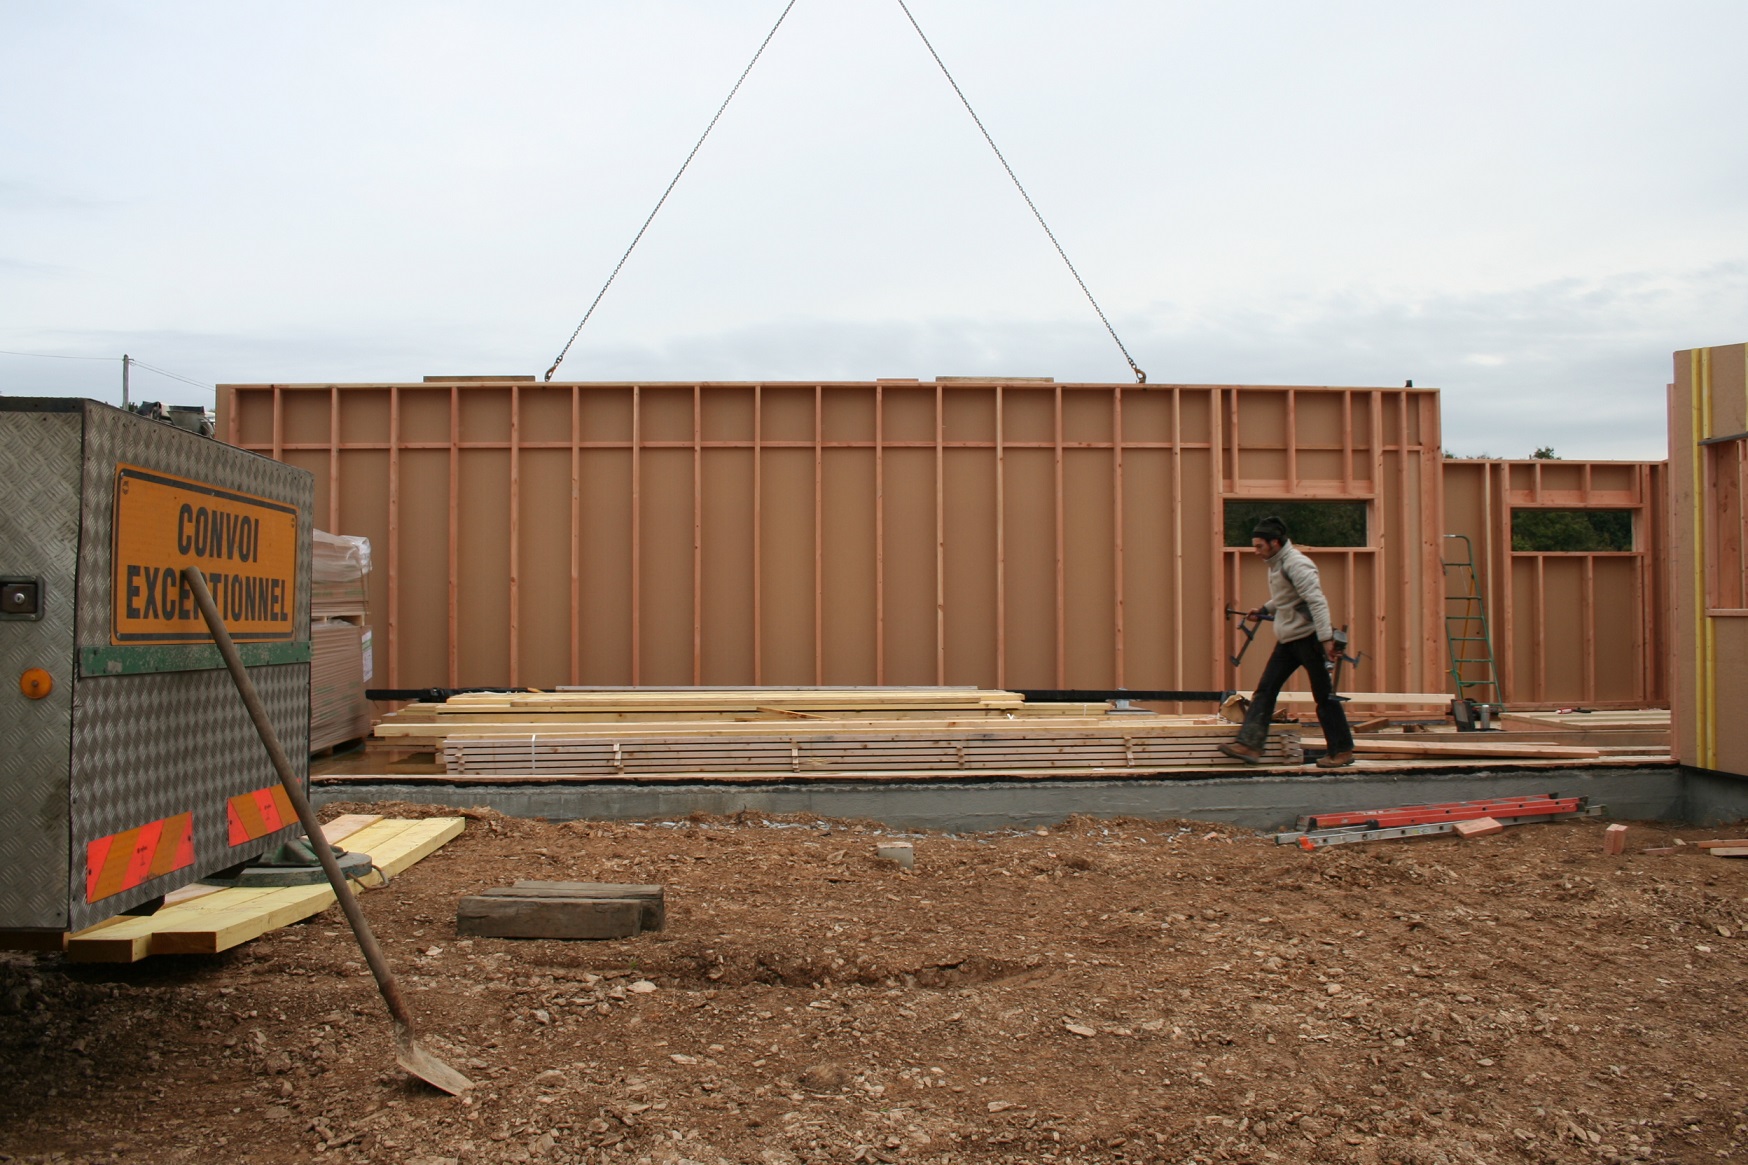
1264, 802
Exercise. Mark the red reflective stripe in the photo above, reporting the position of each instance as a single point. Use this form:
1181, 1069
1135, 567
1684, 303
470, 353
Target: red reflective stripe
95, 854
270, 818
145, 847
127, 859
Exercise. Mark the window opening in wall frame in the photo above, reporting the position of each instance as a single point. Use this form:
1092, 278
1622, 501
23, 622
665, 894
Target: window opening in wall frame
1726, 525
1329, 525
1586, 531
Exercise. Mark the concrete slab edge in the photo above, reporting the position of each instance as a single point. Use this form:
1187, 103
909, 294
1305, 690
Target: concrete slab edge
1262, 802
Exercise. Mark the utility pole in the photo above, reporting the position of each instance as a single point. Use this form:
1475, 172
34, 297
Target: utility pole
124, 364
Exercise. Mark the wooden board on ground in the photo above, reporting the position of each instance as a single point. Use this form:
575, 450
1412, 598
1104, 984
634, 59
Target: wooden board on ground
495, 916
341, 827
654, 898
222, 919
562, 910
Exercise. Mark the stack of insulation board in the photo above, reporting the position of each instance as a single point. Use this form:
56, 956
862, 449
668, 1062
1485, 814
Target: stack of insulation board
338, 710
339, 639
338, 566
652, 734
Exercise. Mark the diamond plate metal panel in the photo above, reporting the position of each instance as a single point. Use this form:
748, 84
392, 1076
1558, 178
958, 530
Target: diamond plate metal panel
113, 436
149, 746
39, 537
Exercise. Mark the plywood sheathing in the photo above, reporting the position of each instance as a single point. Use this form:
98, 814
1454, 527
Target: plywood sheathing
1709, 674
994, 533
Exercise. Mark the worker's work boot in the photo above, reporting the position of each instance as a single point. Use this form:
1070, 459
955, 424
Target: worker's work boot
1334, 760
1243, 752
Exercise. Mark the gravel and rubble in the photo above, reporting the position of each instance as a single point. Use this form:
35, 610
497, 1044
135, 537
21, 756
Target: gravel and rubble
1102, 991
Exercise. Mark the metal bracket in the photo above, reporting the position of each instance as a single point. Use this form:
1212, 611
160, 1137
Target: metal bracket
21, 598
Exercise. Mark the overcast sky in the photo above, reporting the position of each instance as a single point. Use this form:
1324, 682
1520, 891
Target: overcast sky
1529, 205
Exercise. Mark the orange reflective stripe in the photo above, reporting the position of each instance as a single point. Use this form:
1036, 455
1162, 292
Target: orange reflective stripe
124, 860
258, 813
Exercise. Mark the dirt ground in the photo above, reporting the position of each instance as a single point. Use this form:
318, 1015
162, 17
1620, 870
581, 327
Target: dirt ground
1109, 991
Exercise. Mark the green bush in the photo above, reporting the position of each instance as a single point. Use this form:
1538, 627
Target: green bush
1308, 523
1572, 530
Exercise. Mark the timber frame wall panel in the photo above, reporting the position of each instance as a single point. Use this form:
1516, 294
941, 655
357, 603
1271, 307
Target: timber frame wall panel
1569, 628
1708, 429
997, 533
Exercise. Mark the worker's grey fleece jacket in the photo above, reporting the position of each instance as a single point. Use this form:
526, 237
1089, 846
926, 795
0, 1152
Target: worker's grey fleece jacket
1296, 597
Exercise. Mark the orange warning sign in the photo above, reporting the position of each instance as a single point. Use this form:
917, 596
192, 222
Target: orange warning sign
259, 813
123, 860
245, 545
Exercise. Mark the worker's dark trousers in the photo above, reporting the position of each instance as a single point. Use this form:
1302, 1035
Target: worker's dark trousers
1288, 658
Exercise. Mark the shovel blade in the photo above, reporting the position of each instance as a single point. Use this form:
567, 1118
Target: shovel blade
418, 1062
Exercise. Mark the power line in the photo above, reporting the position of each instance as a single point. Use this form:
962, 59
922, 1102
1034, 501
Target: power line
54, 356
138, 363
670, 189
1140, 376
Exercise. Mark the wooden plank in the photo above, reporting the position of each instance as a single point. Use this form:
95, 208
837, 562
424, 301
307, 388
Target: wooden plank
347, 824
548, 918
1372, 699
1411, 746
1738, 851
1722, 843
522, 726
226, 917
654, 898
120, 947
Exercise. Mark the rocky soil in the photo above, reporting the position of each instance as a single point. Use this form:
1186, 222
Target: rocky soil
1106, 991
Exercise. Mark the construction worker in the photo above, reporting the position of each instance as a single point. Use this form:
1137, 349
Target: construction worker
1304, 638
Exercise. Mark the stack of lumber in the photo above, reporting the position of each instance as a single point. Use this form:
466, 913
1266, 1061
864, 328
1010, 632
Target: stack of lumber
338, 710
562, 910
754, 733
1643, 729
203, 920
657, 711
1109, 748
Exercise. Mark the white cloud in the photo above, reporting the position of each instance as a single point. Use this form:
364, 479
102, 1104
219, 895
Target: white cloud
1361, 192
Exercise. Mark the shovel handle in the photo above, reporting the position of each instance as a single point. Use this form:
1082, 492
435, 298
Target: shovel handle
385, 980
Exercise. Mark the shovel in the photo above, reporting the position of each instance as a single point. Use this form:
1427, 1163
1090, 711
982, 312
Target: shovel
408, 1053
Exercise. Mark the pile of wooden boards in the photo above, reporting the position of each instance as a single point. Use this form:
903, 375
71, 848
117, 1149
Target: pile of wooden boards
1116, 747
201, 919
741, 733
1646, 730
562, 910
426, 725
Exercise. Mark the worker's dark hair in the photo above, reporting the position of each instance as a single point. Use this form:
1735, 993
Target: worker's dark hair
1272, 529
